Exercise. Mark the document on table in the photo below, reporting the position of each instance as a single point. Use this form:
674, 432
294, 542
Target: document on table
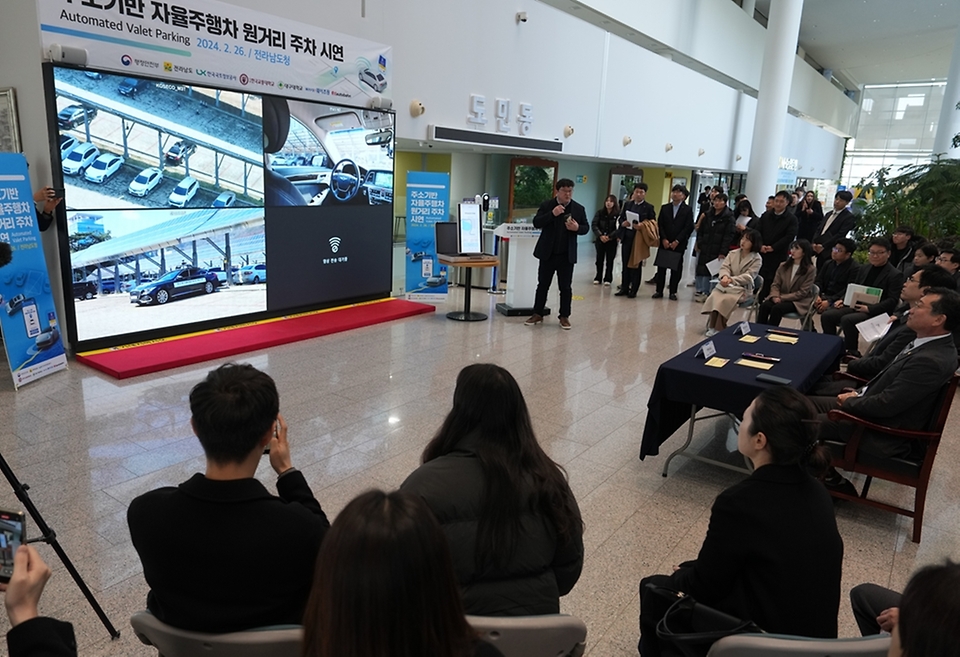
874, 328
750, 338
760, 365
633, 217
785, 339
714, 266
716, 361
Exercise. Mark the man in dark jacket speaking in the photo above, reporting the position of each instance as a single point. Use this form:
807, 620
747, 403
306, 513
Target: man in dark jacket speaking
560, 220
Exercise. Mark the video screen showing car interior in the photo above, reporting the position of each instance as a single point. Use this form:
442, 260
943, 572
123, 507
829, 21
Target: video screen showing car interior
178, 196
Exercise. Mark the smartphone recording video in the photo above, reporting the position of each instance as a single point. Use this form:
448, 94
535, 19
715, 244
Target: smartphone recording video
12, 533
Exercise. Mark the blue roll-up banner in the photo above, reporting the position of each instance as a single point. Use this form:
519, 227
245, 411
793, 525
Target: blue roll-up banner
28, 318
428, 201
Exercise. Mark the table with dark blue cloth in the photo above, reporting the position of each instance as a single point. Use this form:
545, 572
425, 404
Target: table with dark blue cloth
684, 383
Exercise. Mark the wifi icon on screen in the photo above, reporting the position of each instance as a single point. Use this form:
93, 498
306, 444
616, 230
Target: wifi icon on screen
334, 244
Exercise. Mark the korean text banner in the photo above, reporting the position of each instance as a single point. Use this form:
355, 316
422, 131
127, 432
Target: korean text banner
428, 200
31, 333
214, 43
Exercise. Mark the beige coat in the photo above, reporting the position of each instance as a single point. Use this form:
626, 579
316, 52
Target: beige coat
742, 268
648, 234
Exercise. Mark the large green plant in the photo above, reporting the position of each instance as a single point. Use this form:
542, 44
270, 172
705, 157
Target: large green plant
924, 196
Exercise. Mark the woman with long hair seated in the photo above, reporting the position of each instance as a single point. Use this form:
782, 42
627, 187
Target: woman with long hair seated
772, 553
384, 585
792, 288
514, 527
736, 276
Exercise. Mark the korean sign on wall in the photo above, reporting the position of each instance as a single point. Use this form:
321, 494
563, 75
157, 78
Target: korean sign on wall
205, 41
31, 333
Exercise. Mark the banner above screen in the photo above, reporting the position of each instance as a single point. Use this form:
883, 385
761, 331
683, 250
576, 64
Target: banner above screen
210, 42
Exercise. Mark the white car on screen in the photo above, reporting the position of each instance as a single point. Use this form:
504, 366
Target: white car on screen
185, 190
80, 158
103, 167
145, 182
225, 200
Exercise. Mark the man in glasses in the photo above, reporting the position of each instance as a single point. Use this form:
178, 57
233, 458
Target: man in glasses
949, 259
878, 273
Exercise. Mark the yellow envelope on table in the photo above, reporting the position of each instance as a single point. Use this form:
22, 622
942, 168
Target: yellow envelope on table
750, 338
760, 365
773, 337
716, 361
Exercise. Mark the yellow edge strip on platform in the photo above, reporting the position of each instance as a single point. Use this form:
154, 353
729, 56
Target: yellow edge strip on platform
230, 328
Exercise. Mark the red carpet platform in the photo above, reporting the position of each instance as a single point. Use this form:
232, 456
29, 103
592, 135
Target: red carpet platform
134, 360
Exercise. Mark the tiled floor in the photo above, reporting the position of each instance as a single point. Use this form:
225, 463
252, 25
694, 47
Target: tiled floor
361, 406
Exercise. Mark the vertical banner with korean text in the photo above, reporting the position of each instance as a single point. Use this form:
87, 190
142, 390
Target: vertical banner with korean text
31, 333
428, 201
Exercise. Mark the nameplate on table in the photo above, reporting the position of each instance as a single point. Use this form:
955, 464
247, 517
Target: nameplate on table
707, 350
743, 328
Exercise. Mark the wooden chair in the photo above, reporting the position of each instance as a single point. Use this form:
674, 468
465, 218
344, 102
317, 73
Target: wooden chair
913, 472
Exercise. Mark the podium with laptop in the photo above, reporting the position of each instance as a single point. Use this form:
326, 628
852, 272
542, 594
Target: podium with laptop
460, 244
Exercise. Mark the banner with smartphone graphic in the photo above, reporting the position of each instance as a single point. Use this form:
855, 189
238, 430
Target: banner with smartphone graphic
28, 317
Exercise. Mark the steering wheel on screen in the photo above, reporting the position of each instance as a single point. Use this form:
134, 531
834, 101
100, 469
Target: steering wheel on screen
344, 186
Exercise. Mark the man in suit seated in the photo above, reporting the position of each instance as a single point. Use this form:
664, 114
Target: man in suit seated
832, 278
903, 395
899, 335
220, 553
877, 273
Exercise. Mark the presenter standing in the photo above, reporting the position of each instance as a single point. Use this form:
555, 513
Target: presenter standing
560, 220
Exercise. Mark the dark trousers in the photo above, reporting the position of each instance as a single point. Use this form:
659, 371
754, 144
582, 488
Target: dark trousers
559, 264
868, 601
772, 313
626, 247
605, 251
845, 318
675, 276
634, 276
767, 275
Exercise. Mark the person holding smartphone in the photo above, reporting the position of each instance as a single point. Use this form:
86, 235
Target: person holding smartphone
46, 201
33, 635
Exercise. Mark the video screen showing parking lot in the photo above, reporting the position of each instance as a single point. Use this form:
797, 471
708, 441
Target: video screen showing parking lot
179, 193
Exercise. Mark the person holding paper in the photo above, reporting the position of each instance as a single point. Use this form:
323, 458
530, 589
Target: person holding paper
736, 276
634, 211
778, 228
833, 278
878, 273
792, 287
560, 220
809, 215
714, 237
676, 226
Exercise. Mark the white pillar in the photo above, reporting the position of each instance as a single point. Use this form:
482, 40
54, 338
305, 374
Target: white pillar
749, 6
949, 114
776, 77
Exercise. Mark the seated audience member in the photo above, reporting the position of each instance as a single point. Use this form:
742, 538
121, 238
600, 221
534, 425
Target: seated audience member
714, 236
772, 553
833, 277
904, 393
904, 243
384, 585
878, 272
927, 620
514, 527
32, 635
792, 288
949, 259
899, 335
834, 226
778, 227
926, 254
220, 553
735, 284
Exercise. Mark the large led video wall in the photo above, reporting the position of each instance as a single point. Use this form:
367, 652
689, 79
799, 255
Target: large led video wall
180, 200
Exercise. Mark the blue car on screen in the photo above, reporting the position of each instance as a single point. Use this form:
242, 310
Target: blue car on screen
173, 285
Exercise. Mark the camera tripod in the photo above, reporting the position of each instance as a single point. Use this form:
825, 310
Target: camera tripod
49, 537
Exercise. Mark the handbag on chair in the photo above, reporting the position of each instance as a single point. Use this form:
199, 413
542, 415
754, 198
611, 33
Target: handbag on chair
689, 628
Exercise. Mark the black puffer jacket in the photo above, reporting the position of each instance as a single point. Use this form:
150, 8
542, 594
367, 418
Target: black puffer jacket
714, 238
541, 570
